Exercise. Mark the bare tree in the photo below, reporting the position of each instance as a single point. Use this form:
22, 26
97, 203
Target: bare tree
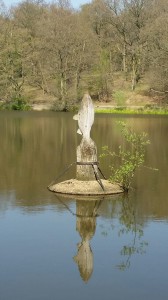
128, 19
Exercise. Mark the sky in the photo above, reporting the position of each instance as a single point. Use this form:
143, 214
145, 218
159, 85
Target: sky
75, 3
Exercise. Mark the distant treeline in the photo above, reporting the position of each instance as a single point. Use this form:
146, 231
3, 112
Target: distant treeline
63, 52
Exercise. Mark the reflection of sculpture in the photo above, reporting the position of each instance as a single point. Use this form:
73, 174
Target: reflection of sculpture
84, 259
86, 226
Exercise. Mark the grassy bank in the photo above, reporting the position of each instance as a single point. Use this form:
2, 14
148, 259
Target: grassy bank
129, 111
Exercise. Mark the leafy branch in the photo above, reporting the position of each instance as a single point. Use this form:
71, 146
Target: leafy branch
130, 159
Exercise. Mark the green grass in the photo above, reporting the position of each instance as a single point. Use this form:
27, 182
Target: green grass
129, 111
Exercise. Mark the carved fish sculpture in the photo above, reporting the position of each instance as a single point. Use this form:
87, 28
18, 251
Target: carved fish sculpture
85, 116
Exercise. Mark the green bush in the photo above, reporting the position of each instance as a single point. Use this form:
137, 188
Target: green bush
16, 103
130, 159
119, 98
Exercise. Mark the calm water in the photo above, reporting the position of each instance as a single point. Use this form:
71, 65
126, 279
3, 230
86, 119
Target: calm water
59, 248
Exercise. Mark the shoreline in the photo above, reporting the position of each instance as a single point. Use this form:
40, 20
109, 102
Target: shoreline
148, 109
133, 111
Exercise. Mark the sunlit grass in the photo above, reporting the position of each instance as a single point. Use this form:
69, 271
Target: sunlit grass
141, 111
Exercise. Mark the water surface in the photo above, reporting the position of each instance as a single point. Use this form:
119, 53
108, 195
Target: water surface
57, 248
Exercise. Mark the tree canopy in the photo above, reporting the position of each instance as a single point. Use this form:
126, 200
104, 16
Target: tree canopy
59, 52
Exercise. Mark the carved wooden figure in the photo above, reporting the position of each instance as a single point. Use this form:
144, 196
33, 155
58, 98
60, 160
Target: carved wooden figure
87, 150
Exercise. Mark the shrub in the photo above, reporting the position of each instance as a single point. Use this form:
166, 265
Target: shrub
119, 98
16, 103
130, 159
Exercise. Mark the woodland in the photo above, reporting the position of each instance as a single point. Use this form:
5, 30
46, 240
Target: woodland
52, 52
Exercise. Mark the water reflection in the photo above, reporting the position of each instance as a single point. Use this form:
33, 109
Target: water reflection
35, 148
124, 222
129, 229
86, 213
129, 224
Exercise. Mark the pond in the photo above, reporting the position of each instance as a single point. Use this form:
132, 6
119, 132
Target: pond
52, 247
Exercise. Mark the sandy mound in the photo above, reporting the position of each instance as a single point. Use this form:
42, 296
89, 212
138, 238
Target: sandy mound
76, 187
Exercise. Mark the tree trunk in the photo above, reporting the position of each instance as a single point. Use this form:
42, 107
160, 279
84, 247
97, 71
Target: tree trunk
133, 74
86, 153
125, 61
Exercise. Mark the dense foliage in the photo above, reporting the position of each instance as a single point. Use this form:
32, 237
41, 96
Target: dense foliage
51, 51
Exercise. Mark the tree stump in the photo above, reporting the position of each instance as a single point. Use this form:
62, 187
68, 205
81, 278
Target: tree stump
86, 153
